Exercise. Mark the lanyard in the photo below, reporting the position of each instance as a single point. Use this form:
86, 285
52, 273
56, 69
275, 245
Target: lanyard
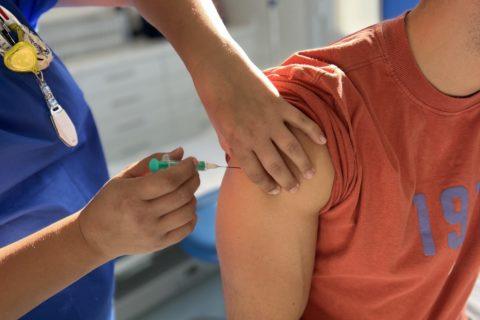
30, 54
6, 40
5, 30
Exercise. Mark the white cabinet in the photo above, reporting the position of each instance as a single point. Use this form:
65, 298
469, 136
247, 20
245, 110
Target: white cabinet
141, 96
74, 31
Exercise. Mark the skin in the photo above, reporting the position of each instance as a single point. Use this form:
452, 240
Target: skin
249, 115
153, 211
446, 33
135, 212
262, 239
250, 227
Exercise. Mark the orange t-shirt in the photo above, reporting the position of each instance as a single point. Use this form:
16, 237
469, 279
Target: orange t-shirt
399, 238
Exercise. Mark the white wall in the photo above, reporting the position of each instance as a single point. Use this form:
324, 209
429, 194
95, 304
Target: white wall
353, 15
299, 24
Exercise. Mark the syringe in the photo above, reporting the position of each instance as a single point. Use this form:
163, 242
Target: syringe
155, 165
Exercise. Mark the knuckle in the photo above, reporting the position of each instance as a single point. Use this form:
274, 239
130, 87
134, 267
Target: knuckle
184, 194
148, 188
275, 167
196, 182
171, 180
192, 168
176, 236
161, 231
312, 126
304, 120
194, 202
189, 218
192, 205
257, 177
191, 225
291, 185
293, 147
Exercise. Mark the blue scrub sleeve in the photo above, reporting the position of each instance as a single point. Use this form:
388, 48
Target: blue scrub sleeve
33, 9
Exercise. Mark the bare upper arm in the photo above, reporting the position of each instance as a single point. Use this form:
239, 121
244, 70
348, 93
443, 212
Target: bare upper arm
267, 243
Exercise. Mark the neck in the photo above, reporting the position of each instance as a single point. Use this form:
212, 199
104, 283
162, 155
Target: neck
446, 44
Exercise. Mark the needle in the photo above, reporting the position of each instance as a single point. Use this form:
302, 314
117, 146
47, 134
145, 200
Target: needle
154, 165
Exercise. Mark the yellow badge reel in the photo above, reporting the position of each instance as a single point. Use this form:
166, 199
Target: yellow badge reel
22, 57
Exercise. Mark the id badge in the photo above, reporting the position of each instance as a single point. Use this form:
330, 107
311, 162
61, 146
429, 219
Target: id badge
30, 54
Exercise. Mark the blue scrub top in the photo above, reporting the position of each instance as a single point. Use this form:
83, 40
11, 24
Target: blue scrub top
41, 180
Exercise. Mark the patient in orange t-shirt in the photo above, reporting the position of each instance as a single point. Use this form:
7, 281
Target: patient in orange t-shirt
389, 227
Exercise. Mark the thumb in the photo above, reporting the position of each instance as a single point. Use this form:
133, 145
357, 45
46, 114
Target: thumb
140, 168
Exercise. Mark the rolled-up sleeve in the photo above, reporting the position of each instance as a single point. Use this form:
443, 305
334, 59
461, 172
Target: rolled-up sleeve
314, 91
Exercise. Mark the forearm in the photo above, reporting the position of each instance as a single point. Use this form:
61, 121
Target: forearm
37, 267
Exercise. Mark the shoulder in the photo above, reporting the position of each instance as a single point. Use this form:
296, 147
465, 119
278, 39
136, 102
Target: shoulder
239, 193
329, 72
360, 48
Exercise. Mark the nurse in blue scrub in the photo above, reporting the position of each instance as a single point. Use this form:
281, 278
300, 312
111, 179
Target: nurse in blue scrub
61, 221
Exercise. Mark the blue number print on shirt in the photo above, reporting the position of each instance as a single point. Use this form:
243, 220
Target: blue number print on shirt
424, 221
454, 202
453, 216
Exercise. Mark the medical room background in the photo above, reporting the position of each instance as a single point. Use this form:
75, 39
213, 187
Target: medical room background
144, 101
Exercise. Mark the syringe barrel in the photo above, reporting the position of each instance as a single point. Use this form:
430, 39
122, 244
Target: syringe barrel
155, 165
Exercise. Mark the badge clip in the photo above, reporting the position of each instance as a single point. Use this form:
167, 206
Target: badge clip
60, 119
30, 54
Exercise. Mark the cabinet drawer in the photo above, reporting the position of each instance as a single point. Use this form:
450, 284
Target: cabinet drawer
110, 79
128, 101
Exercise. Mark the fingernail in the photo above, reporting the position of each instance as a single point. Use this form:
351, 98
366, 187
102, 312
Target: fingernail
274, 192
294, 189
309, 174
322, 140
176, 149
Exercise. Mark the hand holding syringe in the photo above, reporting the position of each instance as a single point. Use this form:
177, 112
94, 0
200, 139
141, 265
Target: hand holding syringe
155, 165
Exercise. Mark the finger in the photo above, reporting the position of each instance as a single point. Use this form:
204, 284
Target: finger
177, 235
300, 121
292, 148
176, 154
177, 218
165, 181
250, 164
176, 199
140, 168
274, 164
